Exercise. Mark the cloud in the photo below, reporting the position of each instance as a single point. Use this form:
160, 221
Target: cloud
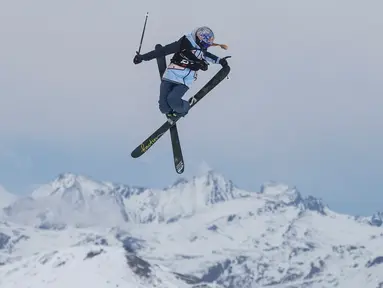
204, 168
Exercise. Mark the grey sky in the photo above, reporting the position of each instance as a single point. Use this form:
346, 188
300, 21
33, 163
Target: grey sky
306, 85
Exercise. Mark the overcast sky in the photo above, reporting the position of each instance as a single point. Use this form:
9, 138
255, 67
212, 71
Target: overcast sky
303, 104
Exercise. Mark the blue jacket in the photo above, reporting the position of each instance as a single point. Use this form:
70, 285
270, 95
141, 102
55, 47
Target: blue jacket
177, 73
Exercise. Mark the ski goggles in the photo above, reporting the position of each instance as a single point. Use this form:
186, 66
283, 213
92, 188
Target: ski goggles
205, 40
205, 45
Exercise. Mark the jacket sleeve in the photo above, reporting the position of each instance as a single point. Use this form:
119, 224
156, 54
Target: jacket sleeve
212, 58
165, 50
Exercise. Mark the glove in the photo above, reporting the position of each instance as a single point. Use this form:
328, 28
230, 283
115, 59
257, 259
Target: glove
223, 61
137, 59
204, 65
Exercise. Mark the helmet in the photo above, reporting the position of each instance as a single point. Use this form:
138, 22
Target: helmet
204, 37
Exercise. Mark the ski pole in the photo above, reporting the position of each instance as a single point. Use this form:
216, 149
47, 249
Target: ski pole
143, 32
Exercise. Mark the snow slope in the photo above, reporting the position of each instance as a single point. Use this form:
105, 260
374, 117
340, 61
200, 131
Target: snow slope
202, 232
266, 243
31, 257
85, 266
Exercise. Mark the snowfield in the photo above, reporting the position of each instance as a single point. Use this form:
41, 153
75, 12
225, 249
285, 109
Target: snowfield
86, 266
201, 232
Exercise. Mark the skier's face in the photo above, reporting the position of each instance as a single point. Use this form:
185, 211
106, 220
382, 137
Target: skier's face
206, 43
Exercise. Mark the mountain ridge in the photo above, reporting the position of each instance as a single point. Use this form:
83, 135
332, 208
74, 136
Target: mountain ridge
78, 191
78, 200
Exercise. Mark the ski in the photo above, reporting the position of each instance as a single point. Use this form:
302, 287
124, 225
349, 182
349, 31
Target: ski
156, 135
178, 159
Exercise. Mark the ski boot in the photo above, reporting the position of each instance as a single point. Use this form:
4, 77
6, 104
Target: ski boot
172, 116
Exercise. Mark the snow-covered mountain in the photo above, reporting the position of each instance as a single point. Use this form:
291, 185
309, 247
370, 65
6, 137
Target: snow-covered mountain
80, 201
6, 198
183, 199
201, 232
70, 200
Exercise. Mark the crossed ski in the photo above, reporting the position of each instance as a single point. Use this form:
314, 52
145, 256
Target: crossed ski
174, 138
156, 135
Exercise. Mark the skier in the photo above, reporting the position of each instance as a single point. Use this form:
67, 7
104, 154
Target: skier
190, 56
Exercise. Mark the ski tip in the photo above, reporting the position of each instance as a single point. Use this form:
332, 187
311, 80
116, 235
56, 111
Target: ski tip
180, 167
134, 154
137, 152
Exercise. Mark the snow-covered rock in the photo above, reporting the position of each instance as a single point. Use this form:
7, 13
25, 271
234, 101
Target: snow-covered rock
377, 219
282, 194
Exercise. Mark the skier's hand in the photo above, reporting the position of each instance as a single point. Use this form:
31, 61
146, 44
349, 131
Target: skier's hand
204, 65
223, 61
137, 59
